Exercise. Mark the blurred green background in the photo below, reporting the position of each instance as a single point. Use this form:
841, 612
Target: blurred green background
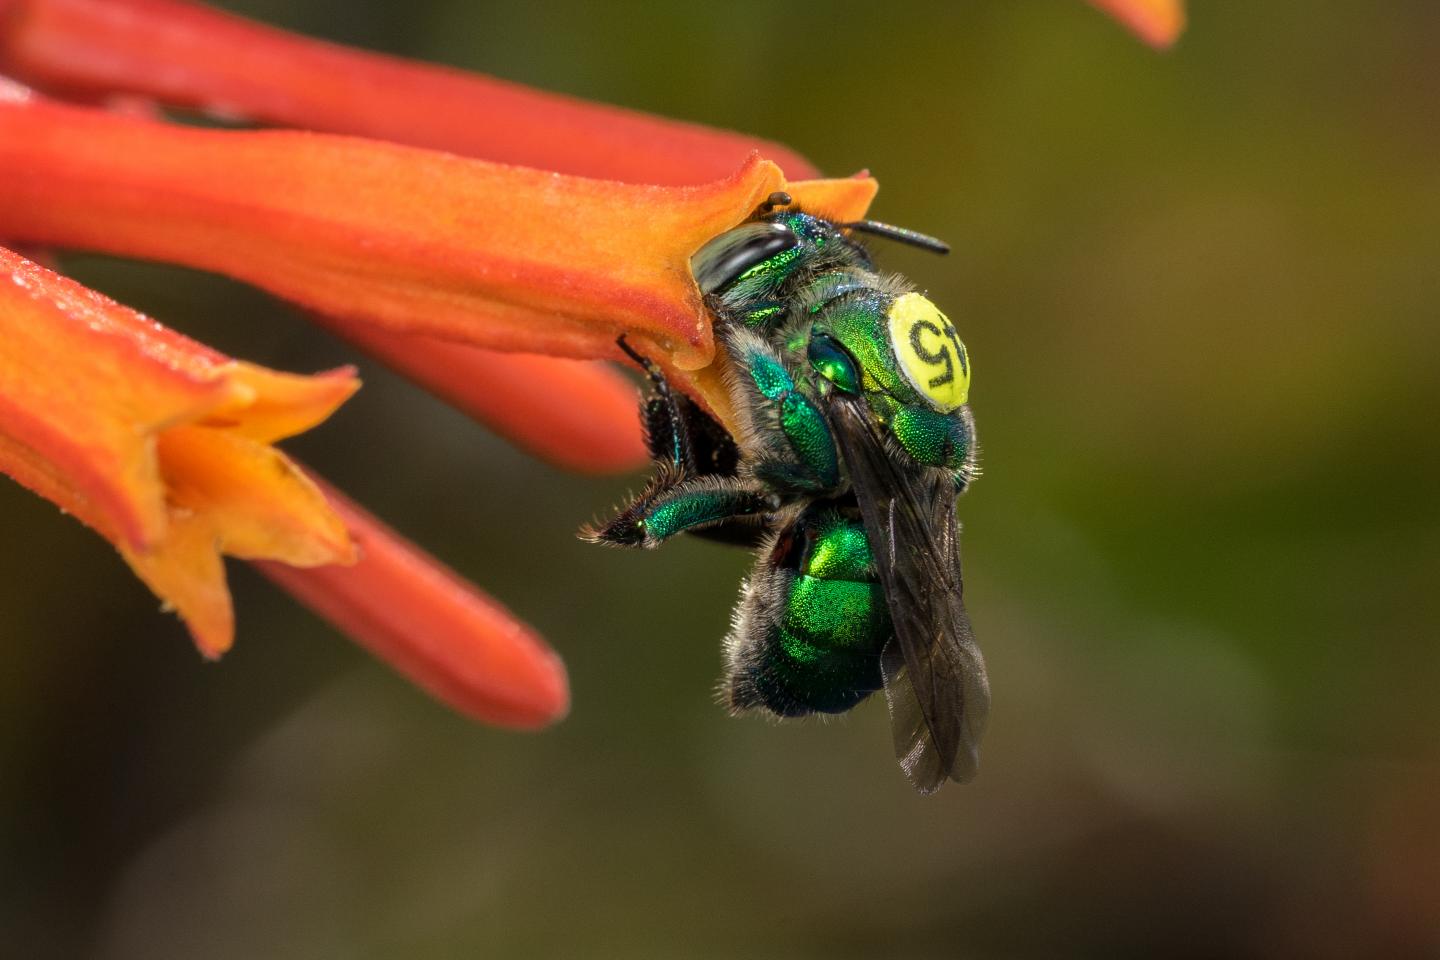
1200, 289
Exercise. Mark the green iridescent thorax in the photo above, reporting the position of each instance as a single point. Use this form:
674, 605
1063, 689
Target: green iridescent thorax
858, 323
936, 439
829, 287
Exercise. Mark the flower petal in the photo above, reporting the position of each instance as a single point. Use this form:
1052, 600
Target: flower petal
157, 442
280, 405
408, 240
256, 500
186, 571
432, 626
232, 495
189, 55
1157, 22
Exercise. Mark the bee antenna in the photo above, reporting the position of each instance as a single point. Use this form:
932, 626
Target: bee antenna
898, 234
777, 199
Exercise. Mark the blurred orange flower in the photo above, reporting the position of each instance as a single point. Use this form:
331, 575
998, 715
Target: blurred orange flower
400, 239
1157, 22
187, 55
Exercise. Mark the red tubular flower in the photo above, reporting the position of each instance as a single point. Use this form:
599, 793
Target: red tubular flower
573, 413
435, 628
162, 446
188, 55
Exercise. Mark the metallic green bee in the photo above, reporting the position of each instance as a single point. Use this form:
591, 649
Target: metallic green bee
854, 441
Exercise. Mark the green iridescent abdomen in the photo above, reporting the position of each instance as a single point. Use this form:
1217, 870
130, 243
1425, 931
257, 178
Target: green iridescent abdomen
829, 640
824, 622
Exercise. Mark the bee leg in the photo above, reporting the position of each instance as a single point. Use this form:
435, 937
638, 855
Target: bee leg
665, 430
797, 452
678, 433
670, 505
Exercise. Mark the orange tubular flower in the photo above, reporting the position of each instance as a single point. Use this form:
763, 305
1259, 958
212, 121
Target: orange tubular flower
163, 447
158, 443
406, 240
435, 628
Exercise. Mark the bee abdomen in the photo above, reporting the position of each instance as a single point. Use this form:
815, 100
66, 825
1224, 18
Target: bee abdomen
809, 640
821, 655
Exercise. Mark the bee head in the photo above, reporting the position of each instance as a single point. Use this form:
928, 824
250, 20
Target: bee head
760, 258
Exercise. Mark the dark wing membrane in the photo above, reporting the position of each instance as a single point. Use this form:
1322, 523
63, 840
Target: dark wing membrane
934, 673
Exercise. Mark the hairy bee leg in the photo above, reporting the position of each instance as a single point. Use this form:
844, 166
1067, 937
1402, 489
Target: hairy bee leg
679, 434
667, 508
675, 448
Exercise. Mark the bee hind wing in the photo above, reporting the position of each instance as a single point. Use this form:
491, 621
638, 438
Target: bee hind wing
914, 746
934, 673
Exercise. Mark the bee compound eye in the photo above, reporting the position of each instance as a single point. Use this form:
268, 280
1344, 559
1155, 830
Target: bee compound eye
929, 351
729, 255
833, 362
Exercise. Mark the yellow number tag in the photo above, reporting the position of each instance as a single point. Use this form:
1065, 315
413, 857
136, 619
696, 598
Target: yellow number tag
929, 352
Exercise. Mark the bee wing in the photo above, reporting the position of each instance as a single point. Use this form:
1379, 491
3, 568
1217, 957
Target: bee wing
934, 674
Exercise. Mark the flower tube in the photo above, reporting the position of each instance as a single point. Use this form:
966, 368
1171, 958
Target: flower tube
410, 241
432, 626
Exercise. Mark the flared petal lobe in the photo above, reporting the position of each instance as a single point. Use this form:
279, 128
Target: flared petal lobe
159, 443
